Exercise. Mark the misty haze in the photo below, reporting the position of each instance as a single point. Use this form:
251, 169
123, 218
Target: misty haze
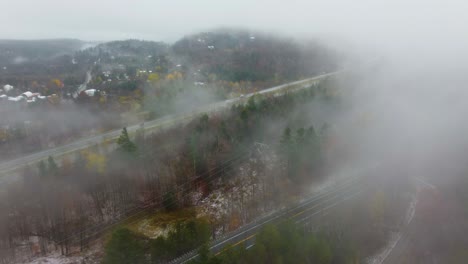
209, 132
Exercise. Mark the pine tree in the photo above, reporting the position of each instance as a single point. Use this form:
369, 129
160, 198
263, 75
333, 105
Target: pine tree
125, 143
287, 150
53, 168
42, 169
124, 247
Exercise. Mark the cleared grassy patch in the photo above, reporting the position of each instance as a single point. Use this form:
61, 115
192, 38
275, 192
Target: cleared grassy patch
160, 223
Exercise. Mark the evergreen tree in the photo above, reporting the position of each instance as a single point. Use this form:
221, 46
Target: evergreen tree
124, 142
42, 169
52, 166
124, 247
286, 139
170, 202
287, 151
251, 104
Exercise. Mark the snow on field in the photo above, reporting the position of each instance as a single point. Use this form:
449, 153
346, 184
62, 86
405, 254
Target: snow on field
92, 255
57, 260
238, 198
88, 258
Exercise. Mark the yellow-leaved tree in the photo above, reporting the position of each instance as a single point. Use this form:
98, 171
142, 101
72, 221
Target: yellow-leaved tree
57, 83
95, 161
153, 77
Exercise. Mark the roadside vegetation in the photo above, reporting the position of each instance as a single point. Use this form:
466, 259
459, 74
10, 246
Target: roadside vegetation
286, 243
126, 246
43, 102
214, 163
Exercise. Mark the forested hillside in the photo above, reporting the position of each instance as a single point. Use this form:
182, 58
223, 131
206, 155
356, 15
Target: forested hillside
120, 83
67, 205
252, 56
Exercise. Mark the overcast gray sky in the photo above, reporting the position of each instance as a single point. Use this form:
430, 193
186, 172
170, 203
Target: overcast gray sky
170, 19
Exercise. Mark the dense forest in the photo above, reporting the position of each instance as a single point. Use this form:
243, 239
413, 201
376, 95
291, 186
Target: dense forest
68, 205
326, 239
285, 243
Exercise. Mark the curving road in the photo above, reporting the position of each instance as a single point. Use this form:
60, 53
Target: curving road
8, 168
398, 252
84, 86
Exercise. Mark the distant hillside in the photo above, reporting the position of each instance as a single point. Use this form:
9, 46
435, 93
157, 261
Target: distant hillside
133, 47
131, 53
221, 55
18, 51
241, 55
24, 61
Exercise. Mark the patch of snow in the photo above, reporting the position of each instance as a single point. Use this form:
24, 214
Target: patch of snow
90, 92
56, 258
28, 94
8, 87
16, 99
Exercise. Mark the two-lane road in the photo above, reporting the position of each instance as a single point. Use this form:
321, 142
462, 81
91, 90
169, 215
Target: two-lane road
8, 169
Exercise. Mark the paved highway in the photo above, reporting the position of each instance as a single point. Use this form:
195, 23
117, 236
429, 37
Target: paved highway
405, 240
397, 255
8, 168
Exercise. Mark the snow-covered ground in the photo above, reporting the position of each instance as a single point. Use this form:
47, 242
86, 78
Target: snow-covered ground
59, 260
29, 254
88, 258
240, 197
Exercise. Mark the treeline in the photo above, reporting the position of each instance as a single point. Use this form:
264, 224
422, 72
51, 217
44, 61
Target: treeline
127, 247
301, 152
286, 243
326, 239
39, 59
68, 206
237, 55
